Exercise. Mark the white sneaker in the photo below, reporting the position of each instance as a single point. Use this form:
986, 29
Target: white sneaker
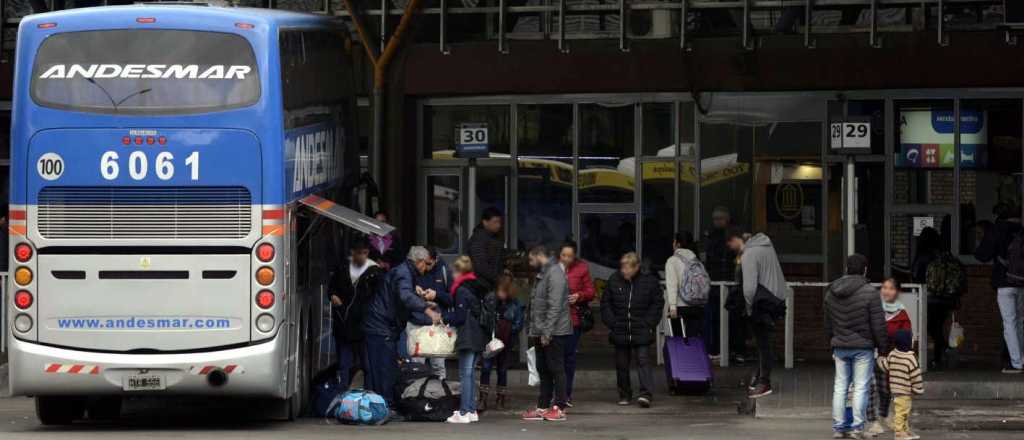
473, 416
458, 418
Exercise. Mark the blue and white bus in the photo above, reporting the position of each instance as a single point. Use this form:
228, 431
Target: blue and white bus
171, 170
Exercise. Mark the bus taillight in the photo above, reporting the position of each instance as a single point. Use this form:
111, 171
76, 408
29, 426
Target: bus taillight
23, 299
23, 276
265, 252
22, 252
46, 25
265, 299
265, 276
145, 20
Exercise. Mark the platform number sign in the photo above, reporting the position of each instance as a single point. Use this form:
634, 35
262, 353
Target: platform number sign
850, 137
472, 140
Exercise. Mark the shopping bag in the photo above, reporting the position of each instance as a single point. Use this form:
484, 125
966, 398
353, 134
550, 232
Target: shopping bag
956, 333
531, 364
431, 341
493, 347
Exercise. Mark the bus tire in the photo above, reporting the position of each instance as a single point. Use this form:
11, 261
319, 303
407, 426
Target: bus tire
297, 403
59, 410
104, 408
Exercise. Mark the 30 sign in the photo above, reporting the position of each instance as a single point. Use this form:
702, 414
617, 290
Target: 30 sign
472, 140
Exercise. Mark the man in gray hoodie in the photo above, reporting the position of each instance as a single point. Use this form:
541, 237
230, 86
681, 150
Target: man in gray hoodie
765, 290
549, 330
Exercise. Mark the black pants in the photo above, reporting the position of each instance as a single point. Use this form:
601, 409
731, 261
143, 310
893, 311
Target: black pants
624, 355
692, 318
938, 312
763, 328
551, 368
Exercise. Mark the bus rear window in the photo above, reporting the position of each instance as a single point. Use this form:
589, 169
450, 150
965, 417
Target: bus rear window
145, 72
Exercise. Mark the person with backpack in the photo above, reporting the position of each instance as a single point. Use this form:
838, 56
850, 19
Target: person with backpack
687, 286
581, 293
631, 307
945, 278
508, 324
1003, 246
764, 292
465, 316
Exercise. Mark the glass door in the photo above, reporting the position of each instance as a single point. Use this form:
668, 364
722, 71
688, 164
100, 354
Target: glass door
606, 234
442, 208
490, 187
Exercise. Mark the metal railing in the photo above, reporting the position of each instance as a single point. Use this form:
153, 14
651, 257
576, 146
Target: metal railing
913, 296
554, 12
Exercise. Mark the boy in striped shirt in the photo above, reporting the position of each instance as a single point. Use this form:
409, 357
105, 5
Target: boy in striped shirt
904, 381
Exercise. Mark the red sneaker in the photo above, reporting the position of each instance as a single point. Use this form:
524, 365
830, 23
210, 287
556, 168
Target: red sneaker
555, 414
535, 414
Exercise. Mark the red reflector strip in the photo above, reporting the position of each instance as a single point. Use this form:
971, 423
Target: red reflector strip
244, 25
46, 25
273, 214
145, 20
17, 214
71, 369
207, 369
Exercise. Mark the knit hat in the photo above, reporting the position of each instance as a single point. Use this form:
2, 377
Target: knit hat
904, 340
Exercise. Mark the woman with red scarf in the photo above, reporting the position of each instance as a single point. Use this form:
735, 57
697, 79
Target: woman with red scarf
581, 293
464, 315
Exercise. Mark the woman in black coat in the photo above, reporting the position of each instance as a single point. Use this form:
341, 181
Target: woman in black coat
631, 307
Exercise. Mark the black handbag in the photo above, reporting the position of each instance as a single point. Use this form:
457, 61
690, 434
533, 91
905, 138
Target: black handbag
586, 318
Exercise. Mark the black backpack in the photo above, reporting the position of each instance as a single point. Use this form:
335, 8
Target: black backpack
1014, 261
424, 409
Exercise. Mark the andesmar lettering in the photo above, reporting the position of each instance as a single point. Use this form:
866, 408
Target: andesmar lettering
146, 71
314, 160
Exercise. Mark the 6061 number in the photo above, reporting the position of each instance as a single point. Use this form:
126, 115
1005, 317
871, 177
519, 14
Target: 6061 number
138, 165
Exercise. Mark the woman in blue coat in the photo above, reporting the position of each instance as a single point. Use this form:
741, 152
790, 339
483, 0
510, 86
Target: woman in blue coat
464, 315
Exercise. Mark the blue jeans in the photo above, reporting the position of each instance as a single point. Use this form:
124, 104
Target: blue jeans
467, 378
571, 343
856, 366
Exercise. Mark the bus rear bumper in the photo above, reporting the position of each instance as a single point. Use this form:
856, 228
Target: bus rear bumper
256, 371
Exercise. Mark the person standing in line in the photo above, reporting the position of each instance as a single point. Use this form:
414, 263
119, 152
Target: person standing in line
721, 263
764, 291
354, 286
995, 246
487, 247
905, 380
934, 264
855, 326
631, 308
386, 250
896, 319
581, 293
386, 318
675, 271
549, 329
509, 314
465, 315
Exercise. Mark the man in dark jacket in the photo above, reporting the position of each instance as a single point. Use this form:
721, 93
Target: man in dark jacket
354, 286
631, 308
434, 286
855, 326
395, 300
994, 247
720, 262
487, 247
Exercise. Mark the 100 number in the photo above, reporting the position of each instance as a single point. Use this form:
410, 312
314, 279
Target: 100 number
138, 165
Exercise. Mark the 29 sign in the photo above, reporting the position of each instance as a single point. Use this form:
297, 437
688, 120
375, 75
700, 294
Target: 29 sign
850, 135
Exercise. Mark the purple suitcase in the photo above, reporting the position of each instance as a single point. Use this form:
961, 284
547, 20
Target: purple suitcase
687, 365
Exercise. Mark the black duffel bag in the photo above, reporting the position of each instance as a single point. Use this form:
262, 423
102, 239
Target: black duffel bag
421, 408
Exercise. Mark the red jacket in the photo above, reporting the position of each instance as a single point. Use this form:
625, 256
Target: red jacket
580, 283
899, 322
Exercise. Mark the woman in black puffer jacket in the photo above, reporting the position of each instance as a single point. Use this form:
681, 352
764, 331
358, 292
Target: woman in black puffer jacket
631, 307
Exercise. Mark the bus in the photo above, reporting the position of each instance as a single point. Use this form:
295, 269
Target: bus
182, 187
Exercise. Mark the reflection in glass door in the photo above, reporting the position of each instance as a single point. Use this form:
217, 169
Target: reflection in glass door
491, 189
604, 237
443, 211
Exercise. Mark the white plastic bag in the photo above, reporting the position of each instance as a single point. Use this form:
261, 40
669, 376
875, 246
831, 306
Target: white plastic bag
956, 334
431, 341
493, 347
531, 364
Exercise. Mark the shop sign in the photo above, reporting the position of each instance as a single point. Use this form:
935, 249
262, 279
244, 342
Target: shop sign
850, 137
789, 200
923, 222
472, 140
927, 139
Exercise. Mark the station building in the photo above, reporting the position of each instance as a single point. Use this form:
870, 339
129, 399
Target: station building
619, 123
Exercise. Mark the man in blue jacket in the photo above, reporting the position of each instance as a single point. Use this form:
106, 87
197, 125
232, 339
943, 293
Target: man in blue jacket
433, 286
385, 320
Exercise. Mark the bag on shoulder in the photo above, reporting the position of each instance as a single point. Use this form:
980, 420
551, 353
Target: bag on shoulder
696, 283
586, 318
1014, 261
945, 277
360, 407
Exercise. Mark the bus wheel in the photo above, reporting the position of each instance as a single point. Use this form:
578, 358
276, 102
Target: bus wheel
104, 408
59, 410
297, 402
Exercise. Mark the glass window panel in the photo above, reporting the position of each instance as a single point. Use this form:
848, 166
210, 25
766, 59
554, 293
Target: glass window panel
606, 153
990, 167
545, 177
492, 191
659, 176
924, 153
910, 252
444, 211
441, 122
605, 238
658, 134
726, 183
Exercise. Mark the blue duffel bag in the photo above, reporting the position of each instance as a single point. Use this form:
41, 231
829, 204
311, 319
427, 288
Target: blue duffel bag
360, 407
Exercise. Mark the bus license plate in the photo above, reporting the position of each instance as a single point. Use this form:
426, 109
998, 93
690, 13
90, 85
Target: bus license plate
143, 383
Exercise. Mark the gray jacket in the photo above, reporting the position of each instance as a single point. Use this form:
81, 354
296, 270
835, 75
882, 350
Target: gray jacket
760, 266
549, 303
